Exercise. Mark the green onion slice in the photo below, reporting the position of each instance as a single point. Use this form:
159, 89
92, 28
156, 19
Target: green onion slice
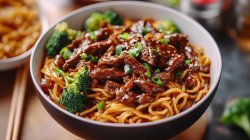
188, 62
148, 74
93, 59
157, 71
66, 53
62, 50
118, 49
164, 41
131, 53
154, 51
157, 81
146, 65
144, 30
100, 105
84, 56
92, 35
141, 35
127, 69
178, 73
124, 36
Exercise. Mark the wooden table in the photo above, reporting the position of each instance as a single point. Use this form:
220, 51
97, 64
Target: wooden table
37, 124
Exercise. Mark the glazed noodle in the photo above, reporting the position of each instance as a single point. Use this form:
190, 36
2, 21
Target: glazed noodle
134, 97
19, 27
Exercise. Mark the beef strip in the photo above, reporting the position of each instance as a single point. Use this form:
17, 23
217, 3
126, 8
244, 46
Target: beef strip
136, 28
180, 41
194, 66
110, 51
148, 87
46, 84
166, 51
103, 34
111, 87
145, 98
189, 81
174, 63
91, 66
108, 73
98, 47
126, 96
75, 44
58, 61
160, 61
147, 55
163, 76
95, 48
112, 61
177, 40
205, 69
84, 39
135, 66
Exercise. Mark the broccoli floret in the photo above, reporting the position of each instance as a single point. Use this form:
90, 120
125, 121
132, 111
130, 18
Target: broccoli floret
238, 114
61, 37
74, 94
166, 26
94, 22
82, 79
112, 17
72, 99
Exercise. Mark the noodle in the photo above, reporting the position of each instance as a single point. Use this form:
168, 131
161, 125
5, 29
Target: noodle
172, 101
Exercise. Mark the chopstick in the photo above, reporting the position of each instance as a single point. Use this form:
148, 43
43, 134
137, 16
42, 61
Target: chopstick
17, 103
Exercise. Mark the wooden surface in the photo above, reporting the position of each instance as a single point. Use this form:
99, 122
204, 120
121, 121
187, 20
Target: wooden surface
37, 124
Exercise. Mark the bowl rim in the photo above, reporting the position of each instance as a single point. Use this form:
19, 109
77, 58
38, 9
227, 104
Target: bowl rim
147, 124
44, 27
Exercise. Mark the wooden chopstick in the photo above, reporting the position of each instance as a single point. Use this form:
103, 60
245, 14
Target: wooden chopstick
20, 102
13, 103
17, 103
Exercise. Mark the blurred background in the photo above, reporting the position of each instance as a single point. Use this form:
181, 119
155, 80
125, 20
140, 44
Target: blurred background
228, 21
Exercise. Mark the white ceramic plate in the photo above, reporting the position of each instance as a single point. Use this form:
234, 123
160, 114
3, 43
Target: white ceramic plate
14, 62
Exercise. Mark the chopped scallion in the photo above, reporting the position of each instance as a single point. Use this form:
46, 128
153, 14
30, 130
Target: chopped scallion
136, 50
148, 74
138, 46
144, 30
164, 41
147, 66
100, 105
188, 62
131, 53
118, 49
178, 73
127, 69
154, 51
92, 35
124, 36
157, 81
84, 56
92, 59
141, 35
157, 71
62, 50
67, 53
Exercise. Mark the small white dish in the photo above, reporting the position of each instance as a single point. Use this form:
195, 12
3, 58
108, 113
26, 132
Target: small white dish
14, 62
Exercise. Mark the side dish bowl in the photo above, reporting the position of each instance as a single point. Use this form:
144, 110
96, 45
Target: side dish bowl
162, 129
14, 62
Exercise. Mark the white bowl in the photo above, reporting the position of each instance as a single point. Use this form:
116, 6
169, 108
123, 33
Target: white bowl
14, 62
162, 129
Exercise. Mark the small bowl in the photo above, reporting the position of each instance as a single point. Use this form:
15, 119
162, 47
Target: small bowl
162, 129
14, 62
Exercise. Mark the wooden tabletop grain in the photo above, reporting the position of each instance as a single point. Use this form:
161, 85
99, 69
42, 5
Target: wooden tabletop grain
37, 124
